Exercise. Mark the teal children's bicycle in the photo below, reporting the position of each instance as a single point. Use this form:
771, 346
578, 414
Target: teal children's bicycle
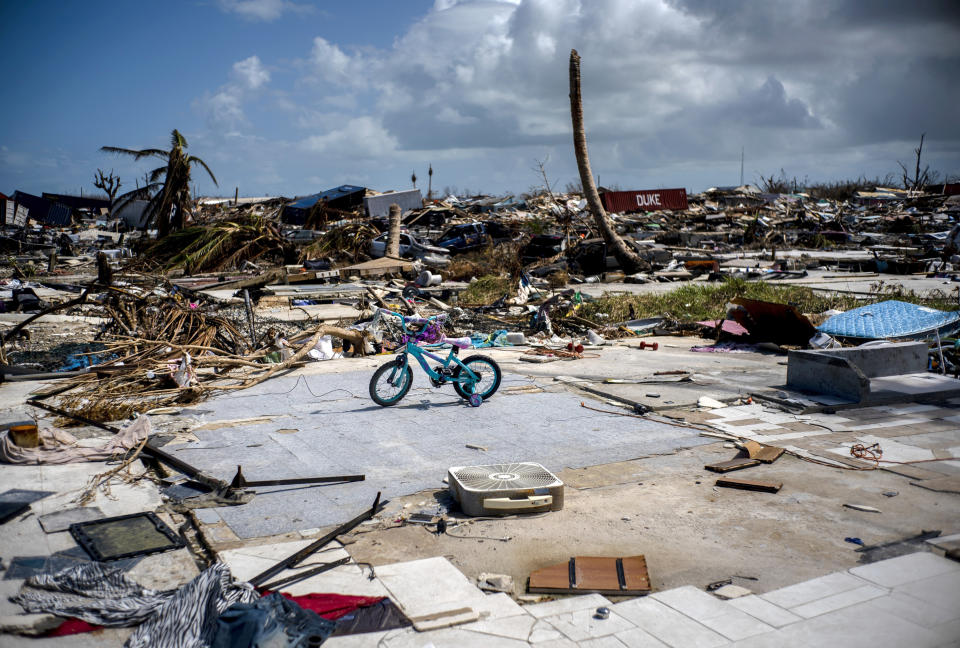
476, 378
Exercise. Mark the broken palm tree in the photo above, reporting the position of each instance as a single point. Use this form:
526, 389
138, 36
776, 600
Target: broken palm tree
629, 261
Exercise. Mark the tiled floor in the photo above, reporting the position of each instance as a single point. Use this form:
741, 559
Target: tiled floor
327, 425
908, 432
912, 600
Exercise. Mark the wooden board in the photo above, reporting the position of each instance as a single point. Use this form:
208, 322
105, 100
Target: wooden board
763, 453
626, 576
733, 464
749, 484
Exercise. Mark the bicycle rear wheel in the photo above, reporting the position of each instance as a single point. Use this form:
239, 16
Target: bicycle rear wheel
487, 371
390, 383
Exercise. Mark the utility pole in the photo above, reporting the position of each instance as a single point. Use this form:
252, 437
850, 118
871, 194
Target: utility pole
430, 183
741, 166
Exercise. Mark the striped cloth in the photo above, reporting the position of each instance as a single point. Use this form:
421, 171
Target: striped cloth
100, 594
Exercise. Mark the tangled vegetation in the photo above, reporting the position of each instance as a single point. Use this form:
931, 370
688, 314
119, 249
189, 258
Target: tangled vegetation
697, 302
220, 245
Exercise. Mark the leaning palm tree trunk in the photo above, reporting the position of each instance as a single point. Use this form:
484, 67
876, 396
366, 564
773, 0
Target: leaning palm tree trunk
628, 259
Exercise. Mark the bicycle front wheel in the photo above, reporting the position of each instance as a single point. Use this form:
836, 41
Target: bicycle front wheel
390, 383
488, 373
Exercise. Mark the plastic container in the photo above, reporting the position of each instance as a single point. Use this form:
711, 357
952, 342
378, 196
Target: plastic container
25, 435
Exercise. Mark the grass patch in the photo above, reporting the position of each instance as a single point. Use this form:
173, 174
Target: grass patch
487, 289
696, 302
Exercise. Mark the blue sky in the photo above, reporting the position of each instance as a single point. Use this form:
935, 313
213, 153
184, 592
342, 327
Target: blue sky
292, 97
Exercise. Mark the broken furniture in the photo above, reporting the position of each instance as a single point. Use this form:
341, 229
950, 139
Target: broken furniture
894, 372
625, 576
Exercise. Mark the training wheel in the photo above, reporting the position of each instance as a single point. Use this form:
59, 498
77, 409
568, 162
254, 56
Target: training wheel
475, 400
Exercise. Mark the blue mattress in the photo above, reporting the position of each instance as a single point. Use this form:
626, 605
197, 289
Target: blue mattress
891, 319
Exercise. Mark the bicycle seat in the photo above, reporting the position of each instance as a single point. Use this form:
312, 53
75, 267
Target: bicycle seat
460, 343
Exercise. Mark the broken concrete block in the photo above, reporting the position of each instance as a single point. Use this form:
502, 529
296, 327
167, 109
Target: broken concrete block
495, 582
732, 592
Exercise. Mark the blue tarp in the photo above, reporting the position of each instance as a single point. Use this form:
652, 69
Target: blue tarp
891, 320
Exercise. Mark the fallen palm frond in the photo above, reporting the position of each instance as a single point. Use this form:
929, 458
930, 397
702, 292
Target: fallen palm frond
219, 245
349, 242
167, 349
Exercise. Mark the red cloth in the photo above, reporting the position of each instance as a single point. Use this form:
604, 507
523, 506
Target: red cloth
71, 627
331, 606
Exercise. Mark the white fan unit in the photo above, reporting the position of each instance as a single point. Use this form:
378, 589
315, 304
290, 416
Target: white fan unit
505, 489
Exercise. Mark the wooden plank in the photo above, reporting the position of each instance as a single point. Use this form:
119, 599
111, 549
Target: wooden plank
761, 452
749, 484
737, 463
616, 576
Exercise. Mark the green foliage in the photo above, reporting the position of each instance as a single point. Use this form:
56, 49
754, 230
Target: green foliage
697, 302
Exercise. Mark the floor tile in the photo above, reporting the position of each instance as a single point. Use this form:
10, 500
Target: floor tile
839, 601
712, 612
812, 590
514, 627
916, 610
942, 590
582, 624
568, 604
637, 638
609, 641
766, 611
860, 626
905, 569
668, 625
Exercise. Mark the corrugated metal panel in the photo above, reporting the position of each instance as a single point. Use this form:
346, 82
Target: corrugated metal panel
37, 206
645, 200
329, 195
379, 206
342, 197
59, 215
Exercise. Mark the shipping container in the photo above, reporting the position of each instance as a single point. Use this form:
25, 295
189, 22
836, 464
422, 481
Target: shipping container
646, 200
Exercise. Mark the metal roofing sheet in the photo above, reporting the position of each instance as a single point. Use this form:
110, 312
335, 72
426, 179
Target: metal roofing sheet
306, 202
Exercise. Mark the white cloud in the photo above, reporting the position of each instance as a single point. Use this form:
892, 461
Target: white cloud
251, 73
672, 90
224, 108
361, 137
261, 10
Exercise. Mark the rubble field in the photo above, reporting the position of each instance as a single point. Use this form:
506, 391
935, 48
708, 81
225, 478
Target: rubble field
725, 418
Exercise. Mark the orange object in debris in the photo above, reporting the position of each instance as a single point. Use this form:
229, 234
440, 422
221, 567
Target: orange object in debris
25, 436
